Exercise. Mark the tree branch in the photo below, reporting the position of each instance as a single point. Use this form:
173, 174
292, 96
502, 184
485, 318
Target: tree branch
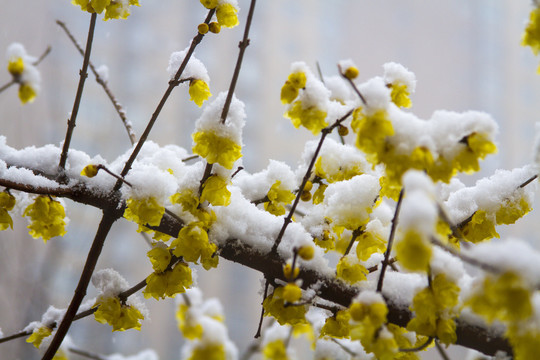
78, 96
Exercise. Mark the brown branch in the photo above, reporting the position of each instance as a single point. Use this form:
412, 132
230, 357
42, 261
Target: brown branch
83, 75
418, 348
108, 219
242, 45
43, 56
385, 262
119, 109
86, 354
172, 84
353, 85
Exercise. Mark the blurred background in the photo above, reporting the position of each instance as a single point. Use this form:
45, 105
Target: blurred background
465, 54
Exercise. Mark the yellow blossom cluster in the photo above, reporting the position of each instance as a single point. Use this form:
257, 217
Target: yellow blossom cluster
47, 218
216, 148
114, 9
278, 197
226, 11
120, 316
7, 202
24, 72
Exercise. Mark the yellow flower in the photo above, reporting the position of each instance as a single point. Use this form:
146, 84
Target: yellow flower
38, 335
215, 191
192, 243
292, 292
318, 196
311, 117
332, 171
368, 244
337, 326
478, 146
120, 316
208, 351
168, 283
47, 218
216, 149
369, 319
350, 270
278, 197
190, 203
400, 95
413, 251
186, 323
209, 4
27, 93
434, 310
160, 258
226, 15
288, 92
479, 228
531, 36
502, 297
525, 342
144, 212
372, 131
114, 9
351, 72
511, 211
7, 202
199, 91
274, 305
275, 350
16, 66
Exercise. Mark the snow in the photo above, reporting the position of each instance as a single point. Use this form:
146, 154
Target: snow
210, 119
147, 354
103, 72
397, 73
195, 68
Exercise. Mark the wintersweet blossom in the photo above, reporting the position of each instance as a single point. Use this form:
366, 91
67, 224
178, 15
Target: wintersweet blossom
7, 202
144, 212
199, 91
226, 13
120, 316
215, 191
47, 218
216, 148
114, 9
168, 283
21, 67
275, 305
38, 335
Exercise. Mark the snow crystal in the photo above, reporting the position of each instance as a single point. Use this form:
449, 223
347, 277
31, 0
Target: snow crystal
418, 209
376, 94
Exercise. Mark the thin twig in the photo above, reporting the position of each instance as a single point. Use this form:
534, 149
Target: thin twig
6, 86
78, 96
242, 45
418, 348
172, 84
327, 130
353, 85
258, 334
192, 157
345, 348
117, 106
441, 351
390, 242
86, 354
108, 219
465, 258
356, 233
43, 56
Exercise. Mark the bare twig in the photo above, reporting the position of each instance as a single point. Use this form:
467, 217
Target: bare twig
119, 109
78, 96
418, 348
172, 84
108, 219
465, 258
441, 351
353, 85
43, 56
385, 262
242, 45
258, 334
86, 354
7, 85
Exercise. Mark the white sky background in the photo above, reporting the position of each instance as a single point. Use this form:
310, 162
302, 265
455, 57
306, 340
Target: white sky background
465, 54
